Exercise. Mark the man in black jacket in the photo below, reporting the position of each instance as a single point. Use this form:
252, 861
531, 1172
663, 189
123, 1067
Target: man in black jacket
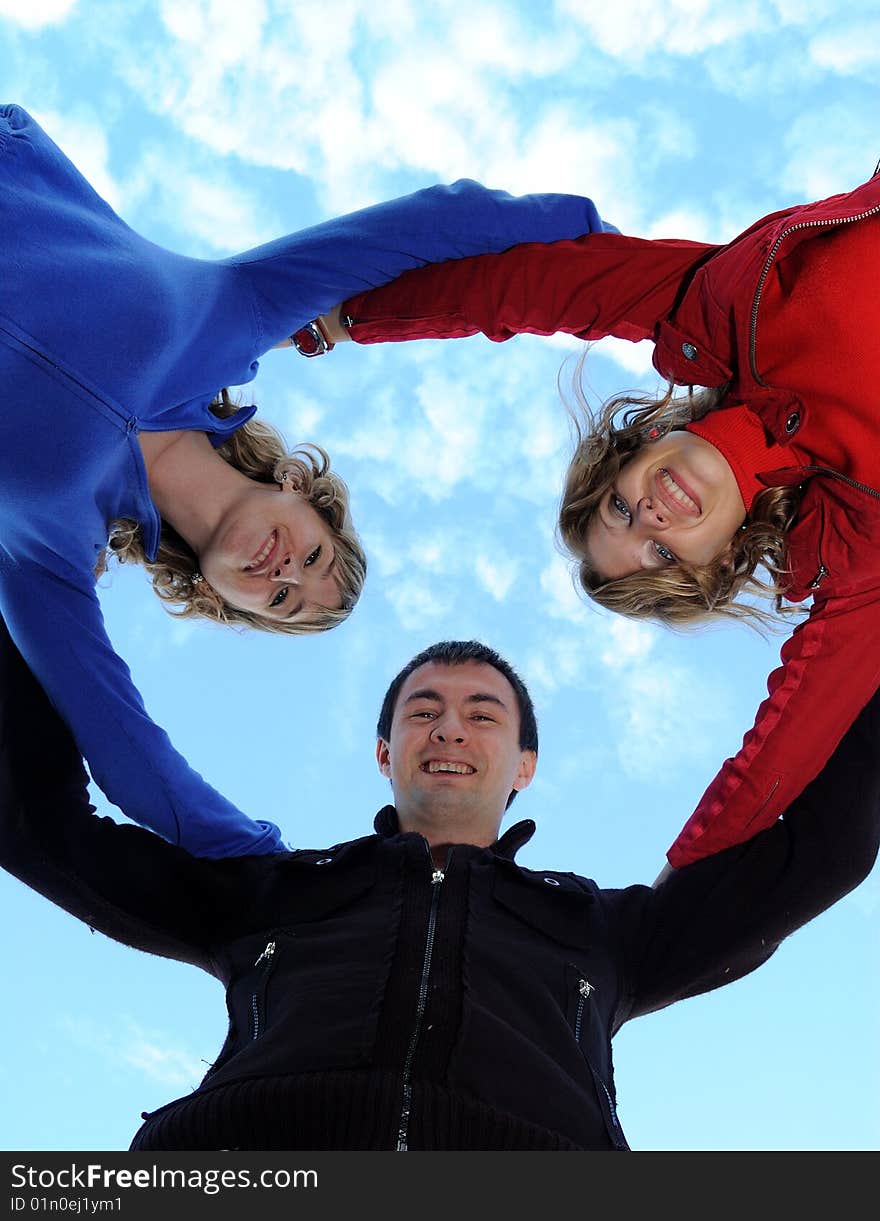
416, 989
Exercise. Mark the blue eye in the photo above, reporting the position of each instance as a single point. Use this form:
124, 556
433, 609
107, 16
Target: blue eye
620, 507
312, 558
665, 554
279, 597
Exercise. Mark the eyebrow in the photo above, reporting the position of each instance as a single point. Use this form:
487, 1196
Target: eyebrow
478, 697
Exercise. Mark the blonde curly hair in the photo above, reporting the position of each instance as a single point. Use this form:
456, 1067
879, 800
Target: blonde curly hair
682, 594
257, 450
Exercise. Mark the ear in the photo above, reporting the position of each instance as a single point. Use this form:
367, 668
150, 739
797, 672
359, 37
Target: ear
725, 557
528, 762
383, 758
286, 484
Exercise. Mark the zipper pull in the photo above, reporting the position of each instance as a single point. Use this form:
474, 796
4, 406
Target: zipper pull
819, 577
437, 877
585, 987
267, 953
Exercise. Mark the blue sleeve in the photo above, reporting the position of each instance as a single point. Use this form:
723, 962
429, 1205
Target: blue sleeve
59, 630
298, 277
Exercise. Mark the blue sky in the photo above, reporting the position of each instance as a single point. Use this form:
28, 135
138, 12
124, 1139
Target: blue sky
211, 125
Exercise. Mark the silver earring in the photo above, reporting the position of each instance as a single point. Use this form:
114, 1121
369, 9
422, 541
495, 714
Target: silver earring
196, 578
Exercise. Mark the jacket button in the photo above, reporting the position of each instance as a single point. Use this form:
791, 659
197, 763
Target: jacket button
552, 881
792, 424
689, 351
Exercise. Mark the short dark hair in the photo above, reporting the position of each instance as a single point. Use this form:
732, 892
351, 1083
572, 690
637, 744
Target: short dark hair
455, 653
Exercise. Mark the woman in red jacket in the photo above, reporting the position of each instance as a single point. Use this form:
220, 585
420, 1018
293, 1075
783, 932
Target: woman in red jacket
670, 511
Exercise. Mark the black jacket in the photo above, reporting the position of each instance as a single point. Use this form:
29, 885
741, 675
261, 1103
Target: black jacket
377, 1002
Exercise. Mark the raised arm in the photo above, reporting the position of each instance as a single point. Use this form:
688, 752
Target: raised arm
298, 277
59, 629
121, 880
601, 284
714, 921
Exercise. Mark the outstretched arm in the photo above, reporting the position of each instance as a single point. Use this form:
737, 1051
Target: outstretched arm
299, 277
716, 920
59, 629
119, 879
830, 668
597, 285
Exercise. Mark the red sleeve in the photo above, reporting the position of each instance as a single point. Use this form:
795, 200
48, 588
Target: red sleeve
596, 285
830, 669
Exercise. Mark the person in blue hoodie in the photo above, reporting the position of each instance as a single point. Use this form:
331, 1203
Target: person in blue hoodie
116, 425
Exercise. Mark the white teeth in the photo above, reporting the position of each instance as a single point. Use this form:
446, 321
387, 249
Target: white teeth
675, 491
263, 555
460, 769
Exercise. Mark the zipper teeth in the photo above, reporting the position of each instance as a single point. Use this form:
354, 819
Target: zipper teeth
853, 483
762, 280
266, 957
579, 1019
130, 422
437, 877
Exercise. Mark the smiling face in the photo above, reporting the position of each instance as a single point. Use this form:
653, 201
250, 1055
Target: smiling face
454, 755
272, 554
675, 501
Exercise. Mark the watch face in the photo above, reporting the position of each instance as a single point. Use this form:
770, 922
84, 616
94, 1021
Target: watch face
308, 340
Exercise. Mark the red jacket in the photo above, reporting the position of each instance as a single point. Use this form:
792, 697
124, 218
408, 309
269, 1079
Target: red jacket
789, 315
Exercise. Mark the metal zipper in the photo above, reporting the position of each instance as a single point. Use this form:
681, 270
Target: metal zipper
267, 956
437, 876
762, 279
584, 990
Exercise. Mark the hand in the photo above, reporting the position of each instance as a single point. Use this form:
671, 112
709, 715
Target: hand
666, 872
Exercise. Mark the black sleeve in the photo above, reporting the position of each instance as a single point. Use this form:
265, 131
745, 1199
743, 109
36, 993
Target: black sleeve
717, 919
121, 880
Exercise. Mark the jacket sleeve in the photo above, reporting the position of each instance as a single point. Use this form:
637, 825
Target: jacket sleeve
830, 668
59, 629
119, 879
298, 277
716, 920
593, 286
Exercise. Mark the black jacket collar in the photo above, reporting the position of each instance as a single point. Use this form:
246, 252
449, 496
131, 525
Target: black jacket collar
507, 845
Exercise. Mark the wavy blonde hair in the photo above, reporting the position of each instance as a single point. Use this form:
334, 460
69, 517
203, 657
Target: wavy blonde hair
257, 450
682, 594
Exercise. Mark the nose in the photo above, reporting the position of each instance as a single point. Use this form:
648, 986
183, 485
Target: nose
652, 513
448, 728
287, 570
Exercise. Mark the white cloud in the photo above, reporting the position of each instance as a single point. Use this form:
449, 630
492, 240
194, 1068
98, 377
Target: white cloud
419, 603
855, 47
496, 574
200, 201
664, 712
635, 358
635, 29
628, 642
152, 1055
830, 149
562, 599
562, 660
84, 141
35, 14
150, 1052
224, 31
